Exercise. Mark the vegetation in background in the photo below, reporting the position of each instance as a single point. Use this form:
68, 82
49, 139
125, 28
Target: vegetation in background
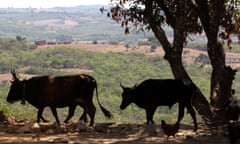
82, 23
109, 69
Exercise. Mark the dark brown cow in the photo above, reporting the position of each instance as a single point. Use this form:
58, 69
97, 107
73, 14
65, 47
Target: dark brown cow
160, 92
57, 92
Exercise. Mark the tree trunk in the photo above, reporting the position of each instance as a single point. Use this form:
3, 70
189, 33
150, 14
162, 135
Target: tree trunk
222, 75
199, 100
221, 80
173, 54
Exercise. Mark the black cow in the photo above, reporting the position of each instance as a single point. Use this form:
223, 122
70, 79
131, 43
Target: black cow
160, 92
233, 119
57, 92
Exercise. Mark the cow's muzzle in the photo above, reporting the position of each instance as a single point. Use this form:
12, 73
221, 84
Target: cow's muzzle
11, 102
122, 107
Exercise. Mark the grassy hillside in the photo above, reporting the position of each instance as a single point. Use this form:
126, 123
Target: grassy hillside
109, 69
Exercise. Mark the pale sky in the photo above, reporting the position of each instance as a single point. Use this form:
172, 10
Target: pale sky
49, 3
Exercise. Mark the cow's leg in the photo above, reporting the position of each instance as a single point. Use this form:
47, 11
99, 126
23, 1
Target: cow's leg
40, 111
180, 112
70, 113
54, 112
39, 115
43, 119
84, 116
193, 115
91, 110
150, 112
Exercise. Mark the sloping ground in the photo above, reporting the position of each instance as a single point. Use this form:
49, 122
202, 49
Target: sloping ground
233, 59
189, 54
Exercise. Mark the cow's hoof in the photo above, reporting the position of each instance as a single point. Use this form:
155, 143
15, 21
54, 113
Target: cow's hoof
90, 129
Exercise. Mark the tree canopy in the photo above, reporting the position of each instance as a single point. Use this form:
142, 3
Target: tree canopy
135, 12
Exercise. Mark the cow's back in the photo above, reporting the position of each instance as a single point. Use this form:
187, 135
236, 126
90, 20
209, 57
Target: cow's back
59, 91
162, 92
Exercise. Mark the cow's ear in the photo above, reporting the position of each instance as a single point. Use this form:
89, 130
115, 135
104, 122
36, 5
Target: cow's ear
135, 85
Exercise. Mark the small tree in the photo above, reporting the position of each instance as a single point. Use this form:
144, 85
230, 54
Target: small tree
153, 48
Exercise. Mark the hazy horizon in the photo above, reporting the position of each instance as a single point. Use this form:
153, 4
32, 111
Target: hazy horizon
49, 3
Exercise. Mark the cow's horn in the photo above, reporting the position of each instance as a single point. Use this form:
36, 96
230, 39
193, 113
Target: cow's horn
14, 75
122, 85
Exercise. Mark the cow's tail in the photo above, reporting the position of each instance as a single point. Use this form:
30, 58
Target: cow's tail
104, 110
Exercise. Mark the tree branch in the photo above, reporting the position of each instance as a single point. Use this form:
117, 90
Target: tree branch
203, 12
156, 28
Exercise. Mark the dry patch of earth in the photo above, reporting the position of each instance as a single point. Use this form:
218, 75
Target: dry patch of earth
189, 54
54, 24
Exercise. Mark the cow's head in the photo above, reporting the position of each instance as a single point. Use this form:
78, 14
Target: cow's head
16, 89
127, 96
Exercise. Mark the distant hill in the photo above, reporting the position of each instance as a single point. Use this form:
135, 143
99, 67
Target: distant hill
80, 23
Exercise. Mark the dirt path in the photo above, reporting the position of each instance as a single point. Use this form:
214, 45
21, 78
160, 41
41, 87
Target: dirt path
105, 133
